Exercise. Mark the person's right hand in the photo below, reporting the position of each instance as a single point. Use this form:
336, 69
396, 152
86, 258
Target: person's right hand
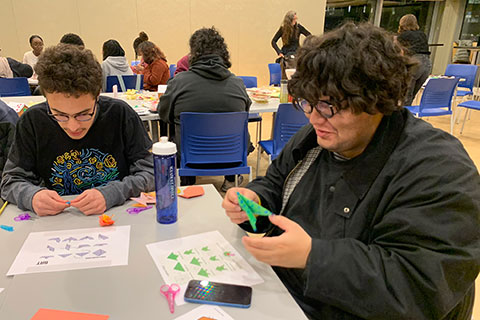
230, 204
280, 55
48, 202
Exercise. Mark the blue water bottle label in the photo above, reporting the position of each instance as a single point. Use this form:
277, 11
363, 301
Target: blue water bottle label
166, 188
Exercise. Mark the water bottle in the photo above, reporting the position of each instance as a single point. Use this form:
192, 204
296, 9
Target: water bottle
283, 91
164, 163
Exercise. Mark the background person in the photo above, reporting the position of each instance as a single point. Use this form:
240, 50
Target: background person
207, 86
290, 32
416, 45
142, 37
31, 57
76, 143
378, 210
72, 38
156, 70
114, 61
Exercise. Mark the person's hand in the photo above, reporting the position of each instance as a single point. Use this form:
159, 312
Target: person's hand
289, 250
230, 204
280, 55
48, 202
139, 68
89, 202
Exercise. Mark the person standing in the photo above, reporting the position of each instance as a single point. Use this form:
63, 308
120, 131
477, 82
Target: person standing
415, 44
31, 57
290, 32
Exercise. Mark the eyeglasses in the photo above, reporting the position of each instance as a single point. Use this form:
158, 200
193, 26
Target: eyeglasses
65, 117
325, 108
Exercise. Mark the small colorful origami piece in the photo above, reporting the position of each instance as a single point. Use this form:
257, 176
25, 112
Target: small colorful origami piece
252, 209
137, 210
22, 216
106, 220
6, 228
192, 191
145, 198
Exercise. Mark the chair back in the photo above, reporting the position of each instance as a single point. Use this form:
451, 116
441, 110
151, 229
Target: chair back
172, 68
213, 138
10, 87
287, 122
438, 93
275, 73
465, 71
250, 82
125, 82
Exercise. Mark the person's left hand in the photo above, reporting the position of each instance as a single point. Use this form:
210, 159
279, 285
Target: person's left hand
90, 202
289, 250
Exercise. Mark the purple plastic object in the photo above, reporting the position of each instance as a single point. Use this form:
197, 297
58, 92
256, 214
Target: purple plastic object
22, 216
137, 210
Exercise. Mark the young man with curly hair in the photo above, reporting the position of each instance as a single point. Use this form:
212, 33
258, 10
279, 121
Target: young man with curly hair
377, 210
208, 86
76, 143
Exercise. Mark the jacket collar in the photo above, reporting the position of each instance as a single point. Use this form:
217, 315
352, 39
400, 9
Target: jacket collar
369, 164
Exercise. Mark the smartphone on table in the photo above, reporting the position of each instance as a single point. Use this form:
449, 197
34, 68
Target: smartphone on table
223, 294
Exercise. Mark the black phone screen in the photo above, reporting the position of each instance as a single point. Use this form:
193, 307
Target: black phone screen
218, 292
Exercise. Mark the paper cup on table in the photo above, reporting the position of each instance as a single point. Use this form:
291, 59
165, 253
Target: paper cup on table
161, 89
255, 235
289, 73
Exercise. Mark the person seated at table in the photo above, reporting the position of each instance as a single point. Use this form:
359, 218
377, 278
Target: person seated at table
142, 37
31, 57
182, 65
72, 38
208, 86
114, 61
76, 143
11, 68
377, 210
156, 70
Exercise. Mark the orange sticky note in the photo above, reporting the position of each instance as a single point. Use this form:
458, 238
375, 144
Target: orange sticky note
50, 314
192, 191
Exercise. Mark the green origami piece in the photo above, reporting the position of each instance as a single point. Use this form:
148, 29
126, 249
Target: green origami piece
252, 209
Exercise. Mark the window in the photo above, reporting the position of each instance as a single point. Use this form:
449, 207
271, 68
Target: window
471, 19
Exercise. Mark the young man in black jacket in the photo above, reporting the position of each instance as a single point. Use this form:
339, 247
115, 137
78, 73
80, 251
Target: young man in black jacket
378, 211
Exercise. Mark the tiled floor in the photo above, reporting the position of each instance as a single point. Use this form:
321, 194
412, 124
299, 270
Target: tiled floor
470, 139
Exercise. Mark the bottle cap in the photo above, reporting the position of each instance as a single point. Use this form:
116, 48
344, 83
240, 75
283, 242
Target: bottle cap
164, 147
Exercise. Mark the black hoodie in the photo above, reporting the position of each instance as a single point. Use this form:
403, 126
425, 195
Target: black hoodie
208, 86
20, 69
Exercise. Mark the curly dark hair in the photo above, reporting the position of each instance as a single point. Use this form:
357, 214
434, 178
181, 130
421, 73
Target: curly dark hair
70, 70
208, 41
72, 38
359, 67
150, 52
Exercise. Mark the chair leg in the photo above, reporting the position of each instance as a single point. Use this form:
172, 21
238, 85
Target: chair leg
258, 159
250, 175
464, 119
236, 180
452, 121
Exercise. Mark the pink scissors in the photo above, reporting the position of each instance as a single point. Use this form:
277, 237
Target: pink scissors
170, 291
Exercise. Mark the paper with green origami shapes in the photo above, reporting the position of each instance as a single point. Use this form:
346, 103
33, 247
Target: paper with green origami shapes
252, 209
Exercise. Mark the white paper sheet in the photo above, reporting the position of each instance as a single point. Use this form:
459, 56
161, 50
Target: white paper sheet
1, 289
206, 312
72, 249
204, 256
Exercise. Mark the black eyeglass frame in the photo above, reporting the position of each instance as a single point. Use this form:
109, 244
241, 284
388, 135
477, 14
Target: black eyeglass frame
75, 116
321, 106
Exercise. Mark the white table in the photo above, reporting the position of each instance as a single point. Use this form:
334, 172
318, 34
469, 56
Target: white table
132, 291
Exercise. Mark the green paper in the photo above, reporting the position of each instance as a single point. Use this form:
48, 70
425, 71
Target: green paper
252, 209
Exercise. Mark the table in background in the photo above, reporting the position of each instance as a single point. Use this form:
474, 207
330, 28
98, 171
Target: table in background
131, 291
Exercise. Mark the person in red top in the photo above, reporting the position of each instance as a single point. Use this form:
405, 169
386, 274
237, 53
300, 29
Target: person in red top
156, 70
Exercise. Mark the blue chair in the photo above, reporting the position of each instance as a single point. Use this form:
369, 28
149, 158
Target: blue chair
214, 138
172, 68
250, 82
125, 82
464, 71
437, 99
469, 106
287, 122
11, 87
275, 73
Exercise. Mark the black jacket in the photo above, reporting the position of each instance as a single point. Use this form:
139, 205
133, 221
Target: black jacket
395, 236
20, 69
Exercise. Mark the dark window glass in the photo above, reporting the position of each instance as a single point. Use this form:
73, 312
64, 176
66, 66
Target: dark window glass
338, 12
471, 19
392, 11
